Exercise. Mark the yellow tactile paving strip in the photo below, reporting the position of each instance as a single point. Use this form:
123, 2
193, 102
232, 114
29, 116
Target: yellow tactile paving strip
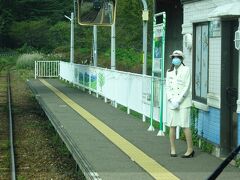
147, 163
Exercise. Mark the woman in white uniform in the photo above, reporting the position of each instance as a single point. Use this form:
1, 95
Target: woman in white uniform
179, 96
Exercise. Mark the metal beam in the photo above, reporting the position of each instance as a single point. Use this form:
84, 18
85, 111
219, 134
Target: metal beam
95, 58
145, 25
113, 46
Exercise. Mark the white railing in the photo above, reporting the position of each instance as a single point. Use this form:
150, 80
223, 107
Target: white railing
46, 69
128, 89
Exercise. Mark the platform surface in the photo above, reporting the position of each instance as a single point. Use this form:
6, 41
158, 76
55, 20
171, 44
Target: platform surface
108, 143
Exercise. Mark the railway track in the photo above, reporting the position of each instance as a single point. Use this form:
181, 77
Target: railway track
7, 159
34, 139
12, 152
91, 16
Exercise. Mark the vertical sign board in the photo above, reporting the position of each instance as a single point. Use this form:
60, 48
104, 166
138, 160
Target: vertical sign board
158, 67
158, 35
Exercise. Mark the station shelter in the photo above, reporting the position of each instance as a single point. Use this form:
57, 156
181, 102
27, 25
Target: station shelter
207, 31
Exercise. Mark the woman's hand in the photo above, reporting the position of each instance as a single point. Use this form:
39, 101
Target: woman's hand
173, 104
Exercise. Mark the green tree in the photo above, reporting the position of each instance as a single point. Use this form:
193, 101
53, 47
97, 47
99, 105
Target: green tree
35, 10
59, 34
32, 33
41, 24
6, 19
129, 24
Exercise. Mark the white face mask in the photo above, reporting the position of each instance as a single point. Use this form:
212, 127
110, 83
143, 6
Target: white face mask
176, 61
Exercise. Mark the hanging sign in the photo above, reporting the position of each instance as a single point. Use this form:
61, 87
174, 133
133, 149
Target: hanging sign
215, 29
158, 35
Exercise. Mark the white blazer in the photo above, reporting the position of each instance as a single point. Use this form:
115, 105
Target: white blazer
178, 87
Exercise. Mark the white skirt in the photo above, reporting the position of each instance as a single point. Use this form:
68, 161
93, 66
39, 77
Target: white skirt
179, 117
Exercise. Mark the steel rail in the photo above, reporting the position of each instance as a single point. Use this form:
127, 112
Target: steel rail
91, 17
13, 170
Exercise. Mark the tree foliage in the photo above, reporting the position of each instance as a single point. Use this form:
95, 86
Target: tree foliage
42, 26
33, 33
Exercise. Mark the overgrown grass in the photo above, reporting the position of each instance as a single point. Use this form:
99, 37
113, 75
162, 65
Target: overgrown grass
26, 61
19, 177
194, 117
206, 146
238, 161
7, 62
26, 73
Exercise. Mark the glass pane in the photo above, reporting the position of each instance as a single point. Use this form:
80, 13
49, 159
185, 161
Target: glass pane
204, 64
198, 58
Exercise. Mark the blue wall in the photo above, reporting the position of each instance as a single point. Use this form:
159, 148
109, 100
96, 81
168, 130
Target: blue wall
208, 125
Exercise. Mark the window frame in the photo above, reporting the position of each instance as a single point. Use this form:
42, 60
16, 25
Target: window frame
195, 97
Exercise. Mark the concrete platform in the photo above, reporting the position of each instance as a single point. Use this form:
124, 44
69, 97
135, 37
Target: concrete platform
99, 157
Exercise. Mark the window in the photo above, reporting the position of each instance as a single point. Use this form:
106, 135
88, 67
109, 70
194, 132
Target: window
200, 62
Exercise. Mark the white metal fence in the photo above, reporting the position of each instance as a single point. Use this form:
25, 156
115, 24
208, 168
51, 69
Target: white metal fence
46, 69
128, 89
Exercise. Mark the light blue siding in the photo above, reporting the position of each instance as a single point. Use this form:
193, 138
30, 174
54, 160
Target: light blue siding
209, 125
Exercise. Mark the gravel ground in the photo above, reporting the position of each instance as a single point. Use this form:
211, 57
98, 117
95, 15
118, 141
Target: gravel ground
4, 140
40, 153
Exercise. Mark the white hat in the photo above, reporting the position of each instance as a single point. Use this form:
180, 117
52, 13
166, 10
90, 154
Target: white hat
177, 53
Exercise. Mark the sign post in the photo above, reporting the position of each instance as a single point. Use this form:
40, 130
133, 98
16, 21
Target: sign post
158, 53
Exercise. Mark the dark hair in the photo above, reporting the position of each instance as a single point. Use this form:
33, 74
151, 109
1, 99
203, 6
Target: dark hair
172, 66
